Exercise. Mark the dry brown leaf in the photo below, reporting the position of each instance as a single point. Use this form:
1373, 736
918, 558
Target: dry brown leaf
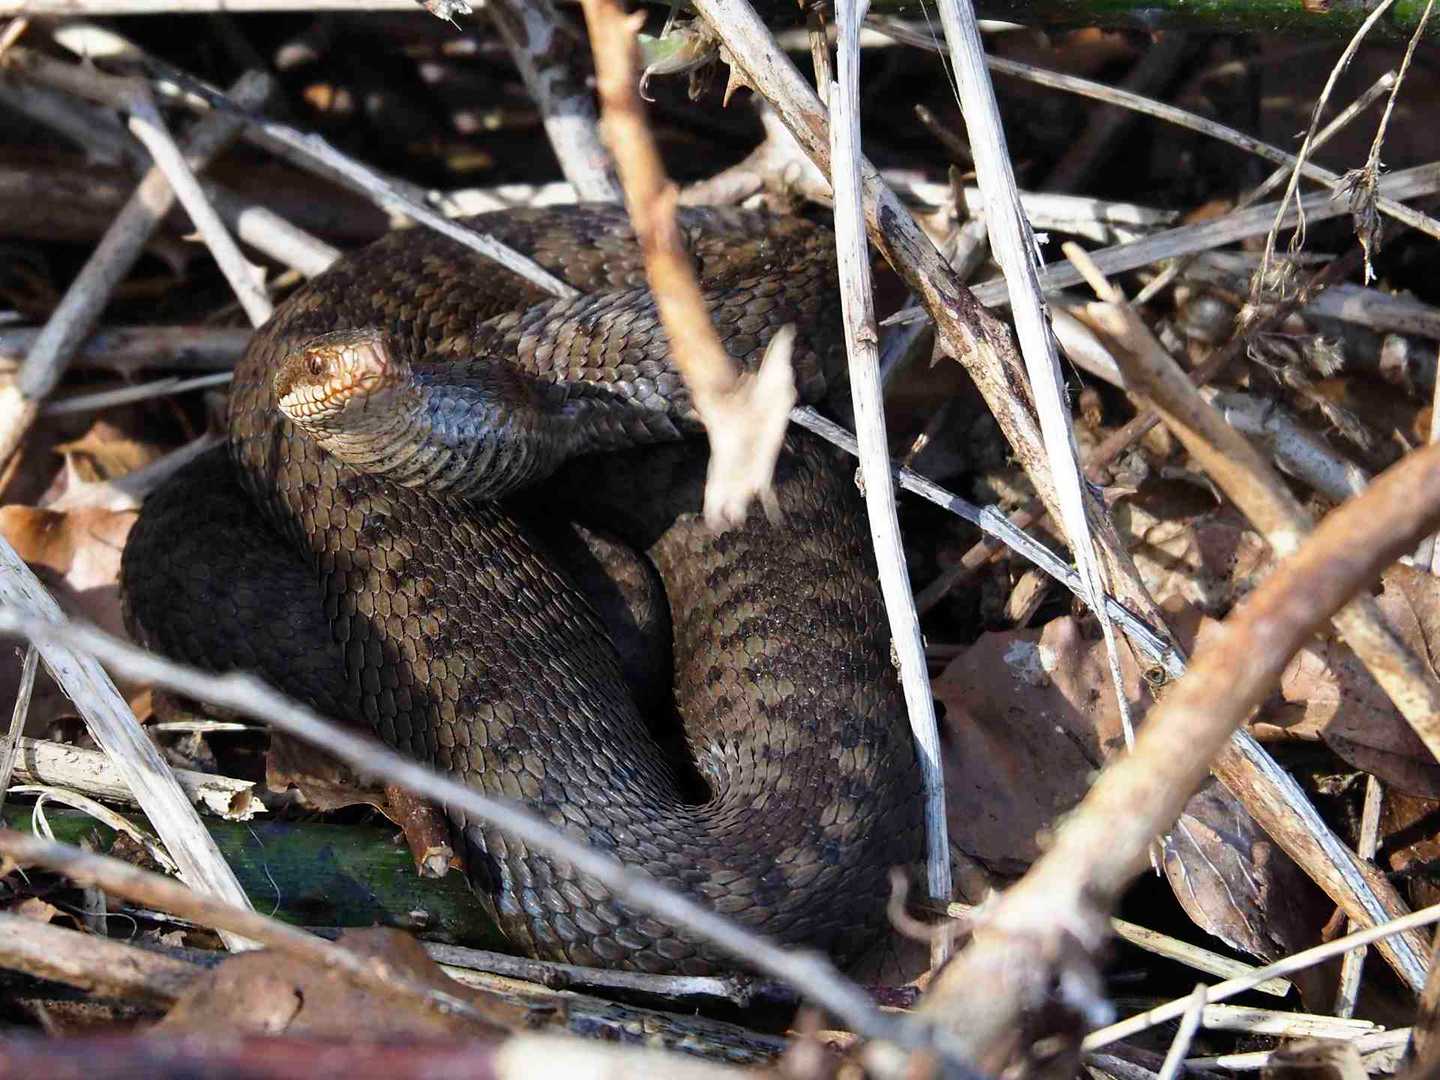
32, 907
75, 554
321, 782
268, 993
1236, 884
1029, 717
1410, 828
1340, 701
1209, 559
105, 452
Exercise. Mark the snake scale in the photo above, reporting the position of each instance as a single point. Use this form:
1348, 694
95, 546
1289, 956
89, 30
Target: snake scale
511, 486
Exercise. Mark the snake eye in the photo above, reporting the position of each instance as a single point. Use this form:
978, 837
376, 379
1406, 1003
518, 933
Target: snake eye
315, 364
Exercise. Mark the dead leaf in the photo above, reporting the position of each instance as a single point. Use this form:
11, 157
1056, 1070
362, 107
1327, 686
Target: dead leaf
1410, 847
32, 907
1210, 558
1029, 716
105, 452
268, 992
1236, 884
76, 555
1341, 702
322, 782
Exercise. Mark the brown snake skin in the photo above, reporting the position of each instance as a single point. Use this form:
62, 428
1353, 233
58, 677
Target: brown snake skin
451, 629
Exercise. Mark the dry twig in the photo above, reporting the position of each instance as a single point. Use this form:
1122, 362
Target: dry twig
744, 416
858, 306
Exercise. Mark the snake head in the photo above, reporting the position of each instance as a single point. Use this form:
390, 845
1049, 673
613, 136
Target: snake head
330, 383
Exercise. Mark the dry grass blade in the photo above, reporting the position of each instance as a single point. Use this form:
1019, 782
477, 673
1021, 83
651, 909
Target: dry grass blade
75, 316
1015, 249
862, 340
1288, 966
744, 416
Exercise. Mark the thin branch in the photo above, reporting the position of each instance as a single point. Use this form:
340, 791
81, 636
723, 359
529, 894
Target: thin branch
1180, 1045
1015, 249
91, 962
148, 126
744, 416
10, 746
114, 727
543, 50
314, 152
1181, 118
1353, 965
1235, 465
80, 308
1202, 236
857, 304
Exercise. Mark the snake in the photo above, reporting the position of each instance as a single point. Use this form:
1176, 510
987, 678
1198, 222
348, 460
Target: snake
466, 514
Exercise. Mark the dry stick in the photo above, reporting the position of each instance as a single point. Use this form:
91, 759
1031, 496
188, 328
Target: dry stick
857, 304
1015, 249
1306, 958
1182, 952
1236, 466
994, 523
161, 893
112, 259
738, 990
114, 727
90, 772
1189, 1024
1353, 965
543, 51
147, 125
1059, 906
131, 349
271, 234
128, 395
11, 744
91, 962
744, 417
1275, 179
1203, 236
809, 972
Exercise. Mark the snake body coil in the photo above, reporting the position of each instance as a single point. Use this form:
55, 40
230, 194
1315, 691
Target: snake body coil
411, 590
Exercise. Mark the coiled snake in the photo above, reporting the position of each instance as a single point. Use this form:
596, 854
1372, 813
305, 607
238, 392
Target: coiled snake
376, 541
